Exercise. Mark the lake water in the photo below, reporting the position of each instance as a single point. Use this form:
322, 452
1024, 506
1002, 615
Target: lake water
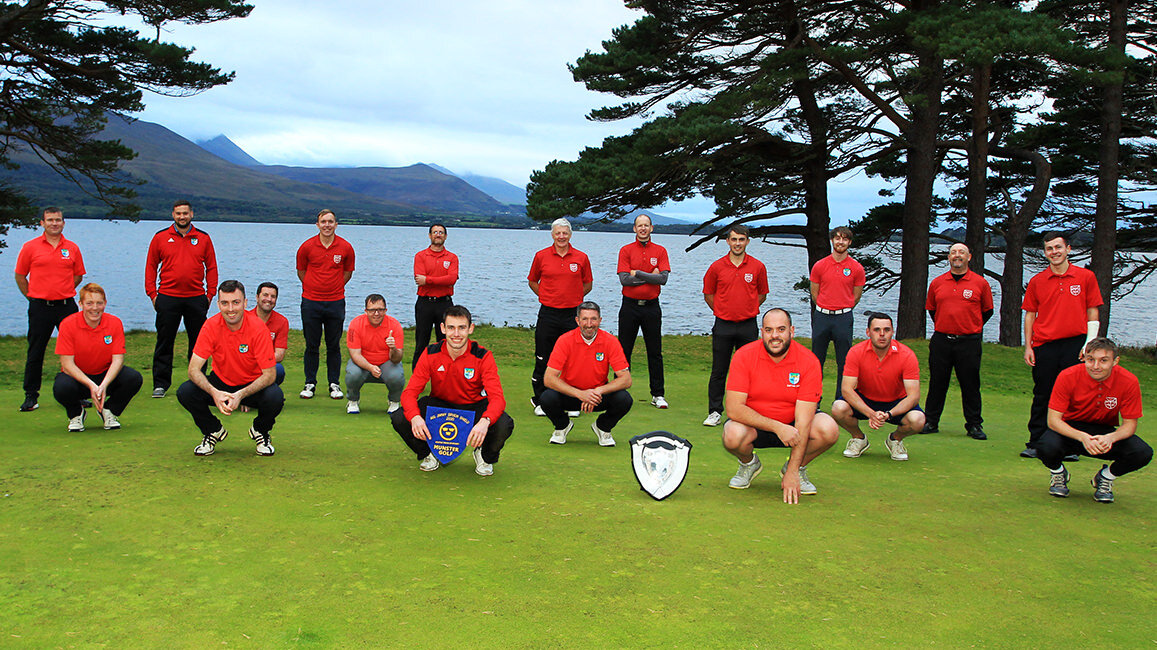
494, 264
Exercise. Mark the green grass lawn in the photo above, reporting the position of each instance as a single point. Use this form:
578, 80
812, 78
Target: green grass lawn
125, 539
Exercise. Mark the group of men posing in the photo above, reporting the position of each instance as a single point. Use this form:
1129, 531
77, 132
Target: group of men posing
769, 386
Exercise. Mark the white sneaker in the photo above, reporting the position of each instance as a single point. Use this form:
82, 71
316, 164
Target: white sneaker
352, 408
110, 420
335, 391
746, 474
559, 435
209, 443
714, 419
856, 447
805, 484
76, 424
264, 446
429, 464
659, 402
539, 412
896, 448
605, 439
307, 392
481, 467
573, 414
393, 407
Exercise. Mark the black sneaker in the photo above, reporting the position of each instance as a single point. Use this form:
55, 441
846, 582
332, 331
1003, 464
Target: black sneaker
1103, 487
1059, 487
29, 404
1028, 452
930, 428
976, 432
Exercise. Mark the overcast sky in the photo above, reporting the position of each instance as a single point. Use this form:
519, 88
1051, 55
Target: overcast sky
476, 87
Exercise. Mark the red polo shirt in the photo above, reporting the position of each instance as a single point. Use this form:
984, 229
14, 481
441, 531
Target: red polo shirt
637, 256
585, 365
278, 328
836, 282
560, 278
187, 262
465, 380
372, 340
1060, 301
736, 288
773, 388
51, 270
1081, 399
440, 269
92, 348
959, 302
882, 380
238, 357
325, 268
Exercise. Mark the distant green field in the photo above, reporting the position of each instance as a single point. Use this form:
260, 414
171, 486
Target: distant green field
126, 540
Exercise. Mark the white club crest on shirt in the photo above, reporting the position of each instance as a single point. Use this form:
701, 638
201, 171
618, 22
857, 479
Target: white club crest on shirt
468, 373
748, 277
793, 378
1110, 403
847, 272
574, 268
967, 294
243, 348
446, 264
193, 241
337, 259
64, 253
108, 339
1075, 289
654, 261
598, 356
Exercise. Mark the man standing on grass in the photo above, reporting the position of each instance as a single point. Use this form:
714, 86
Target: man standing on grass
576, 378
881, 385
48, 270
375, 342
773, 389
278, 325
734, 287
462, 375
325, 264
560, 276
1093, 411
837, 283
435, 272
960, 303
643, 269
243, 373
1060, 317
180, 278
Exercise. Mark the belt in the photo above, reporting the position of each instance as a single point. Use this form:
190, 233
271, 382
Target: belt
51, 303
833, 312
434, 298
959, 337
641, 303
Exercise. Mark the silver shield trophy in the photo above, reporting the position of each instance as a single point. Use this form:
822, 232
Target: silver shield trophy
660, 460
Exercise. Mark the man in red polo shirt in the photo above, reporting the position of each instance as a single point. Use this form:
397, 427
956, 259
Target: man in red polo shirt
91, 347
837, 283
278, 324
375, 341
734, 287
881, 385
187, 281
576, 378
325, 264
560, 276
960, 303
1060, 317
243, 373
462, 375
48, 270
435, 272
773, 389
643, 269
1093, 411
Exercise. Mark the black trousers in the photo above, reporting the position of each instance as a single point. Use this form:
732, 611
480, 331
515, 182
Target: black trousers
832, 328
614, 407
316, 316
170, 312
552, 323
1128, 455
43, 317
121, 390
727, 336
428, 313
267, 402
649, 317
962, 353
1051, 359
496, 436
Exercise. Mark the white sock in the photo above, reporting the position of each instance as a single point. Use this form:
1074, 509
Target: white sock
1106, 473
1059, 470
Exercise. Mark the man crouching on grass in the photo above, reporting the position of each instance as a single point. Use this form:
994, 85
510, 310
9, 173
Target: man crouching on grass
773, 387
243, 373
1093, 411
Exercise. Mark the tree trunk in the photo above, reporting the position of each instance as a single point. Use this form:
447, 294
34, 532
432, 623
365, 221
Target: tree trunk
1108, 172
1015, 234
815, 173
978, 167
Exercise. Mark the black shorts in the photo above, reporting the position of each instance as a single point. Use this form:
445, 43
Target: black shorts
882, 406
766, 439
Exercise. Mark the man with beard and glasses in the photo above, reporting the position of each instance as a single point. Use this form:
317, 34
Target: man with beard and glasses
435, 272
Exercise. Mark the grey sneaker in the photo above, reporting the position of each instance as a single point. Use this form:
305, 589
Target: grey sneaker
1059, 483
158, 392
746, 474
558, 437
605, 439
209, 443
1103, 487
896, 448
393, 407
110, 420
856, 447
805, 484
429, 464
481, 467
76, 424
264, 446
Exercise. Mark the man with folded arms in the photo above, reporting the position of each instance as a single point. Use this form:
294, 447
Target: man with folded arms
643, 269
435, 272
375, 342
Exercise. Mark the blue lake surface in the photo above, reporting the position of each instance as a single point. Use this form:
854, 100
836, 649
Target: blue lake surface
494, 264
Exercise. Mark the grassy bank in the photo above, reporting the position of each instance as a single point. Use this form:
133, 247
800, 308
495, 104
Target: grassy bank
125, 539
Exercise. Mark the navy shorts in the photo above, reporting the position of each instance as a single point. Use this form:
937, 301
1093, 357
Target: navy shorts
882, 406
